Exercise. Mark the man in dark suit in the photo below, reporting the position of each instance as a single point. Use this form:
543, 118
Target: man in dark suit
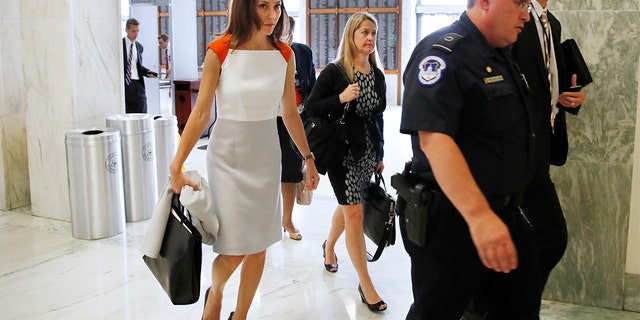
135, 96
550, 100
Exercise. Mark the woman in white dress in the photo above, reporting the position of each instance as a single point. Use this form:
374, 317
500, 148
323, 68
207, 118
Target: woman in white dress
251, 73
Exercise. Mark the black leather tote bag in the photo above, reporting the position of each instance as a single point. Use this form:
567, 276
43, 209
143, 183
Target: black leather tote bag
179, 263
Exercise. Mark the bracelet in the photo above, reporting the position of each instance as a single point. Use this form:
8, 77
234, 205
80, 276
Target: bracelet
309, 156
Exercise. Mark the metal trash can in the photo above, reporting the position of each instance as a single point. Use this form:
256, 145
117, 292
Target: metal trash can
139, 163
166, 132
94, 166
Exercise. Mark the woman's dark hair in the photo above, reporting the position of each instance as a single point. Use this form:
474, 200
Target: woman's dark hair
243, 20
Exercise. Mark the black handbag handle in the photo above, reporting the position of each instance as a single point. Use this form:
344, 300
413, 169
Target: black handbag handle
378, 178
178, 210
387, 227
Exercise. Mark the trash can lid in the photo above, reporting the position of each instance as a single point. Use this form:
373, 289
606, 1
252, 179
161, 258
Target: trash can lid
165, 121
131, 123
91, 136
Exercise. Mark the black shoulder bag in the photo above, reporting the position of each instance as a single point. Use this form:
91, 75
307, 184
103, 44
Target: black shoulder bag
327, 139
379, 220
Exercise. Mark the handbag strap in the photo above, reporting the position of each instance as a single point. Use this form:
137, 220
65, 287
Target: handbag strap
344, 73
382, 244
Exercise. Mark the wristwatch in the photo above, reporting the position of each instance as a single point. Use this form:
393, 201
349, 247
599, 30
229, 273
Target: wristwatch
309, 156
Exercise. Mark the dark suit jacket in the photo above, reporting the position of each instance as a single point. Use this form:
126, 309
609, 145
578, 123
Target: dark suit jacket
551, 148
306, 72
142, 71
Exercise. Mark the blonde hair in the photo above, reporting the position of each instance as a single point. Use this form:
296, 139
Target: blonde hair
347, 47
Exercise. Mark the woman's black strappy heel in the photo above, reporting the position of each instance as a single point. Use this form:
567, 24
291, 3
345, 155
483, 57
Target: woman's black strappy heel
372, 307
333, 268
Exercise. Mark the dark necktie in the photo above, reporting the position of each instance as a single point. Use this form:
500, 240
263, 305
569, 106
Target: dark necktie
127, 76
546, 36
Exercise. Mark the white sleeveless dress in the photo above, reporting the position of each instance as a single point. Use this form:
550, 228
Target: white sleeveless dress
243, 158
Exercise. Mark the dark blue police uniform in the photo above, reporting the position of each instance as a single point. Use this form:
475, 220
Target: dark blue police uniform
457, 84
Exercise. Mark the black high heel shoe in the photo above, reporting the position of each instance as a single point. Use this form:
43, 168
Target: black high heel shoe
206, 295
328, 267
372, 307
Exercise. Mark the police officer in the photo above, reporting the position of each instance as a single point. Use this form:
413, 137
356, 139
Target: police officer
466, 108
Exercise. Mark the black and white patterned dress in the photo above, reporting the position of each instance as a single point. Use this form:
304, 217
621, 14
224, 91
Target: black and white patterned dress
353, 173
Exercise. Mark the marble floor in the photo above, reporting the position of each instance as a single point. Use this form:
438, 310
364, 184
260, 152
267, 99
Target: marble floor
45, 273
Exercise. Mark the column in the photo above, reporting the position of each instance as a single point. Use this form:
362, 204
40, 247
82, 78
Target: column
14, 170
73, 78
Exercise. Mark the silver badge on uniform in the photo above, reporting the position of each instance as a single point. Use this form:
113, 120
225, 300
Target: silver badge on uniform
431, 69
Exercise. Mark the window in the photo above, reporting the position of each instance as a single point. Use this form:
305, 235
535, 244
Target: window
435, 14
326, 20
211, 18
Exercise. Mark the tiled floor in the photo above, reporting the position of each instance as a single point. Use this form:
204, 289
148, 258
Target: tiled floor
47, 274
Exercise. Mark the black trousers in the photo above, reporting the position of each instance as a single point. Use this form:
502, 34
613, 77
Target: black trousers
447, 273
550, 227
135, 97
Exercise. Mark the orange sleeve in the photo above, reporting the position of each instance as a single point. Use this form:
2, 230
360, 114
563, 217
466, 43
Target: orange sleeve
221, 47
285, 50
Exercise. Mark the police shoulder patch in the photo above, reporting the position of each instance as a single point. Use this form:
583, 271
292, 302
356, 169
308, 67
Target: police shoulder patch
431, 68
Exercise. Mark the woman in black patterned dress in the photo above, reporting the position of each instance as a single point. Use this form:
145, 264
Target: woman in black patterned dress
358, 59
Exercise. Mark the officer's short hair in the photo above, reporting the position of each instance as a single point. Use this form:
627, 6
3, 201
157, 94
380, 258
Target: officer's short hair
164, 37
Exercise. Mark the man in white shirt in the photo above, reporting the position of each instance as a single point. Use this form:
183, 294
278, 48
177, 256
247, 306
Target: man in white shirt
134, 91
163, 43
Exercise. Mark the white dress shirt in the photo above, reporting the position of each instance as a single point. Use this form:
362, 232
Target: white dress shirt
134, 58
555, 91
